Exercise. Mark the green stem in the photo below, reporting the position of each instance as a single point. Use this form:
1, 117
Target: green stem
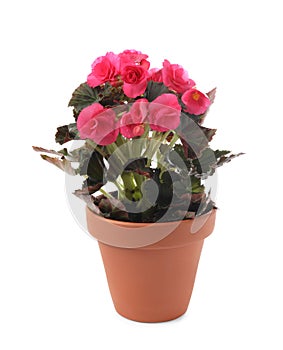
91, 143
175, 138
118, 185
166, 135
114, 148
106, 194
136, 148
130, 150
139, 180
132, 191
120, 140
95, 147
129, 181
146, 131
149, 144
158, 139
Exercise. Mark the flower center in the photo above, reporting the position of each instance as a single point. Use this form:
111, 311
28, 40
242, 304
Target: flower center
138, 130
196, 96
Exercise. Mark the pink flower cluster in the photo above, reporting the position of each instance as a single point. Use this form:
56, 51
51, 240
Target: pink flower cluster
162, 114
130, 66
131, 70
99, 124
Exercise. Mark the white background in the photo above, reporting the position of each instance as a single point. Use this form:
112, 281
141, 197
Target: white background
53, 292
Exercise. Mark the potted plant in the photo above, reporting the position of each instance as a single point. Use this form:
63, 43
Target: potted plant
141, 129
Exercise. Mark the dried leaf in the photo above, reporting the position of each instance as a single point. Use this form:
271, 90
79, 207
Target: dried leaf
190, 215
63, 152
62, 164
211, 95
117, 204
88, 199
88, 189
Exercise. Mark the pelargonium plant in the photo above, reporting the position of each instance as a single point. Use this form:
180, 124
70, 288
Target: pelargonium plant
141, 129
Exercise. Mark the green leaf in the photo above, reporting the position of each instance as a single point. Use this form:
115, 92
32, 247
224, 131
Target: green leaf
222, 160
155, 89
198, 168
176, 157
196, 186
106, 94
219, 153
210, 160
83, 96
194, 137
66, 133
136, 164
206, 163
92, 165
110, 96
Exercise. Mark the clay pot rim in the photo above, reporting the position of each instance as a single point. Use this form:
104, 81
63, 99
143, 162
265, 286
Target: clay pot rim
141, 224
157, 235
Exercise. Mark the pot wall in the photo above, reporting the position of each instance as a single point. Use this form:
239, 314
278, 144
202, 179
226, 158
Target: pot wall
153, 283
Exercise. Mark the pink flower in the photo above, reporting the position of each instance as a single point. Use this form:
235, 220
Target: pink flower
104, 69
132, 57
155, 74
164, 113
132, 123
98, 124
196, 102
175, 77
135, 80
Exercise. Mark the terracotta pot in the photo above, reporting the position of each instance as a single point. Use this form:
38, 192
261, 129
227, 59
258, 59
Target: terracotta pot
151, 282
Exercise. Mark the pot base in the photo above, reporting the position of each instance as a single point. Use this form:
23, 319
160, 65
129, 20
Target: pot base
171, 318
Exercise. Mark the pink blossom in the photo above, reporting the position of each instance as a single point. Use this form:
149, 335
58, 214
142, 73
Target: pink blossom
164, 113
104, 69
132, 57
132, 123
155, 74
135, 80
196, 102
98, 124
175, 77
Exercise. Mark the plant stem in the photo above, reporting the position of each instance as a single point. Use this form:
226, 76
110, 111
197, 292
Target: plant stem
96, 147
132, 191
106, 194
139, 180
113, 148
157, 139
120, 188
120, 140
129, 181
174, 140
